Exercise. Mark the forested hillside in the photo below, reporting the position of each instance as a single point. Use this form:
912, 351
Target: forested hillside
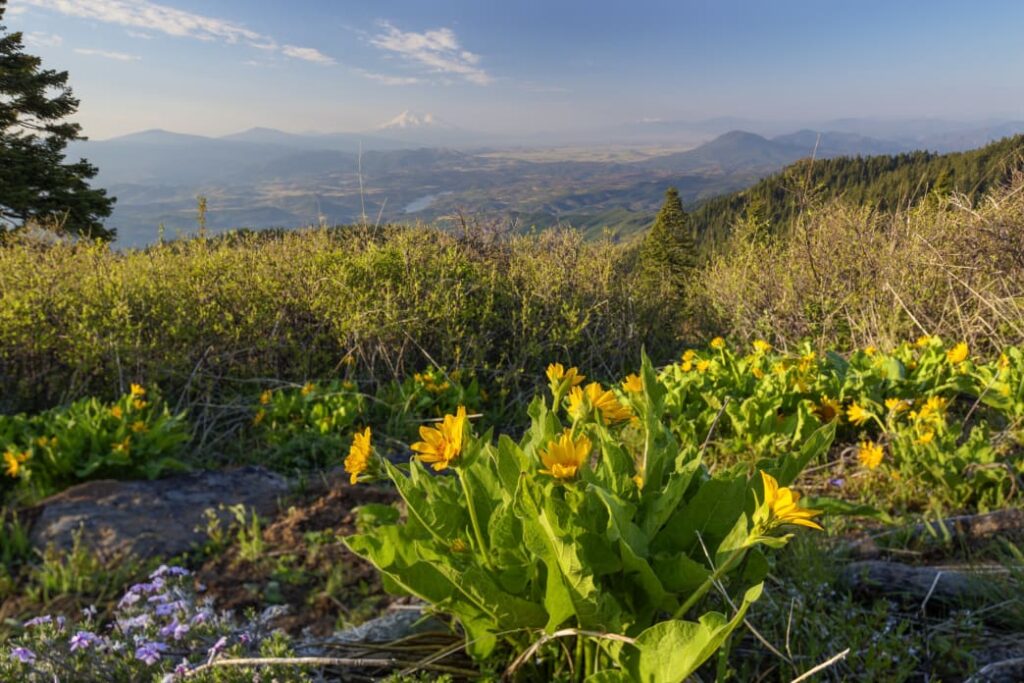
884, 182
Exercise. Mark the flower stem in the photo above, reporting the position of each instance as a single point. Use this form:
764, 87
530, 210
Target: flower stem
709, 582
473, 519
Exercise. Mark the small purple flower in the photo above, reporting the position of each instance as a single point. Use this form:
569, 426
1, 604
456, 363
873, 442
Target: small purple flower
245, 639
141, 621
200, 618
164, 570
90, 612
218, 647
38, 621
83, 640
171, 608
128, 600
144, 588
175, 630
60, 623
838, 482
150, 652
23, 655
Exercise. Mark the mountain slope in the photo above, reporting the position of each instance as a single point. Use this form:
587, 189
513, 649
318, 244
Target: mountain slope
883, 182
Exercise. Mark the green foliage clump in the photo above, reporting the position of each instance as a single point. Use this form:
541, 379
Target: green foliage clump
668, 250
135, 436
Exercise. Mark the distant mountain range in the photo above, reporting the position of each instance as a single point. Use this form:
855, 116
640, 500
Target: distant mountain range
269, 178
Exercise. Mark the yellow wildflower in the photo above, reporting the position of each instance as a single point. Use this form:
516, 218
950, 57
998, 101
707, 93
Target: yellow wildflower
638, 479
757, 372
265, 397
932, 408
761, 346
138, 391
857, 414
307, 388
807, 361
633, 384
139, 404
116, 412
718, 343
564, 456
123, 446
260, 415
828, 409
703, 365
1004, 361
870, 454
896, 405
923, 341
687, 366
958, 354
925, 438
870, 350
14, 461
459, 546
441, 445
689, 354
358, 458
139, 427
783, 505
556, 373
42, 442
597, 397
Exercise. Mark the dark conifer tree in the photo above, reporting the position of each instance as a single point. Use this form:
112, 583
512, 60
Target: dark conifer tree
668, 250
36, 182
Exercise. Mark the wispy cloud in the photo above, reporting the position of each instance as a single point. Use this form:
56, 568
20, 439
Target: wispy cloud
107, 54
308, 54
437, 50
153, 17
388, 79
37, 39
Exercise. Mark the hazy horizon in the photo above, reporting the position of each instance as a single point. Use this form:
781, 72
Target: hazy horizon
216, 68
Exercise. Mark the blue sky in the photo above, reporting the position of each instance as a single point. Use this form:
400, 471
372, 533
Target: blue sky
219, 66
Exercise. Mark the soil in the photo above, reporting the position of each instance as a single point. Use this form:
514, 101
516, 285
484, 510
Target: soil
304, 564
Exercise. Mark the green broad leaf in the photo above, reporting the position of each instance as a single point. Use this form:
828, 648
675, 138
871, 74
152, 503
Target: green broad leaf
656, 510
712, 512
511, 463
376, 514
679, 573
671, 651
609, 676
433, 503
738, 539
839, 363
632, 545
892, 369
755, 567
812, 449
558, 602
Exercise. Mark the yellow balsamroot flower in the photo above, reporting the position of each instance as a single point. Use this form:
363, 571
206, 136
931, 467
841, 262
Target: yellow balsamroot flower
932, 408
718, 343
870, 350
116, 412
689, 354
124, 446
259, 417
638, 479
441, 445
139, 404
896, 405
925, 439
14, 460
138, 391
139, 427
870, 454
633, 384
807, 361
307, 389
958, 354
757, 372
564, 456
761, 346
265, 397
1004, 361
556, 373
604, 401
857, 414
783, 505
703, 365
687, 366
923, 341
828, 409
358, 458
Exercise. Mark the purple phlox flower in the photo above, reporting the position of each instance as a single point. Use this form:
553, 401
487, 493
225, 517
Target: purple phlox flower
838, 482
144, 588
60, 623
164, 570
90, 612
175, 629
150, 652
245, 639
83, 639
38, 621
23, 655
217, 647
171, 607
141, 621
182, 668
128, 600
201, 617
159, 598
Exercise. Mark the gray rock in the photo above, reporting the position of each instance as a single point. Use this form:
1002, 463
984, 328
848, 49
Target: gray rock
931, 585
155, 518
1007, 671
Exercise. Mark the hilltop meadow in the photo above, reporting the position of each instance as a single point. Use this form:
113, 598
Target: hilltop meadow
867, 358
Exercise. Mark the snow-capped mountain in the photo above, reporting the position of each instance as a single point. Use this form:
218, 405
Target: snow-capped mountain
411, 120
